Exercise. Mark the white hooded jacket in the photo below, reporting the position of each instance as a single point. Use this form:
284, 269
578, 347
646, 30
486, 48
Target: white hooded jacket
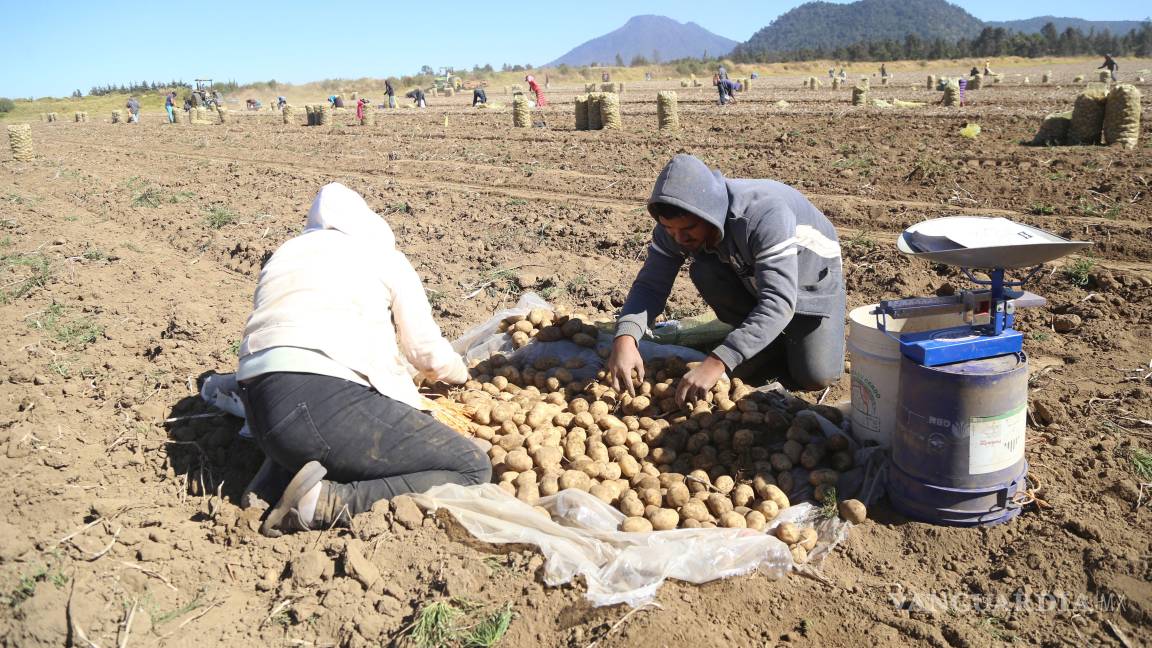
342, 288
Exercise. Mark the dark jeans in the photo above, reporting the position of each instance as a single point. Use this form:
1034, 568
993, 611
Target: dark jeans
809, 354
373, 447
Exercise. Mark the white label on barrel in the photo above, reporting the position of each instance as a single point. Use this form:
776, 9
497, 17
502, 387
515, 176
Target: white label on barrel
996, 442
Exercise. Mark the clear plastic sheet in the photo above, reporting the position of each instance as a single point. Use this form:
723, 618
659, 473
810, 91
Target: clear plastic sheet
581, 540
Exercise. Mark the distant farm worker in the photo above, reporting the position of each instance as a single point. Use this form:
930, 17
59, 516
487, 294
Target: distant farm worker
479, 97
763, 257
988, 68
281, 101
883, 71
361, 106
417, 97
391, 92
975, 71
1110, 65
541, 100
331, 101
831, 73
170, 106
338, 314
721, 73
843, 75
727, 88
133, 107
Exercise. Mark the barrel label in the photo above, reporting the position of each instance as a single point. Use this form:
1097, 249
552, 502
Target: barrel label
996, 442
865, 397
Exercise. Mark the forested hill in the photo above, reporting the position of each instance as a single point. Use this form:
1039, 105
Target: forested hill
827, 26
1034, 25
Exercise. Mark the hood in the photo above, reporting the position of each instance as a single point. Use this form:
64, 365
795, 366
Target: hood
688, 183
337, 207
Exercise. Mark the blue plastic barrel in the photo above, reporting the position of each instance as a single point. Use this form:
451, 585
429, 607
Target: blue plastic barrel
958, 448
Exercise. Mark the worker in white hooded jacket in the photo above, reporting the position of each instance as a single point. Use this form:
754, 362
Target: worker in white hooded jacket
324, 372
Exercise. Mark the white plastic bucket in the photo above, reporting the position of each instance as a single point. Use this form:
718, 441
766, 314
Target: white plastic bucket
876, 369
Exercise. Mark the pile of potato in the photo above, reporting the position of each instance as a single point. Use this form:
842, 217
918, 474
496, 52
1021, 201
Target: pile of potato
728, 461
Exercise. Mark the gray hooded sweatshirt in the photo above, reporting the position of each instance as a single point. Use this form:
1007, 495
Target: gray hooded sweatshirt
784, 250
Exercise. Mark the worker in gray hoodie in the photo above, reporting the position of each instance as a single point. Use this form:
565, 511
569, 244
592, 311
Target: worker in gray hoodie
763, 257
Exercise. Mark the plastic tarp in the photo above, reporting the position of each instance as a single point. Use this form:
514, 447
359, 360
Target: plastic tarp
580, 540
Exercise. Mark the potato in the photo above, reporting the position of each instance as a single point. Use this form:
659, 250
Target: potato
629, 467
574, 479
636, 524
777, 495
602, 493
526, 477
520, 339
788, 533
584, 340
786, 482
549, 485
743, 440
760, 484
507, 475
598, 409
639, 450
825, 492
501, 412
767, 508
538, 315
662, 456
508, 487
853, 511
733, 520
718, 504
695, 510
808, 538
518, 460
611, 471
812, 456
577, 405
780, 462
698, 481
742, 495
549, 334
799, 554
650, 497
572, 327
615, 436
631, 505
676, 496
724, 484
547, 458
598, 451
484, 432
793, 450
574, 449
664, 519
528, 493
755, 520
841, 461
497, 454
540, 415
798, 433
823, 476
639, 404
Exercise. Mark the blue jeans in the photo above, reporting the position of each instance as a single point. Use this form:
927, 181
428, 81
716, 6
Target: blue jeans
809, 354
391, 101
171, 114
373, 447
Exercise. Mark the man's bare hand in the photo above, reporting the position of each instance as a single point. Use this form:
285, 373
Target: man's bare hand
695, 384
623, 363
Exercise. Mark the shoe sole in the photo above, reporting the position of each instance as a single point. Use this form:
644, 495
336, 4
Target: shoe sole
305, 480
251, 492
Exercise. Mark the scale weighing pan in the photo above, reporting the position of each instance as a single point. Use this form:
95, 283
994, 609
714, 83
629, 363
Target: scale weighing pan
984, 242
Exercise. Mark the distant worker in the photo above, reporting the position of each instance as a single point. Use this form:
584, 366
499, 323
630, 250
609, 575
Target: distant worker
721, 73
605, 77
417, 97
391, 92
883, 71
727, 88
133, 107
975, 71
1110, 65
188, 104
479, 97
218, 98
361, 107
843, 75
170, 106
541, 100
281, 101
988, 68
831, 73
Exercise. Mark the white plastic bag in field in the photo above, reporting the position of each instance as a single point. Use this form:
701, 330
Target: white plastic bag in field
580, 539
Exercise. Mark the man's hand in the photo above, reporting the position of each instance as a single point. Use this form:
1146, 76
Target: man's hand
625, 360
695, 384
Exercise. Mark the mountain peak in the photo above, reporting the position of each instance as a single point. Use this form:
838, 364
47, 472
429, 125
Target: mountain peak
649, 36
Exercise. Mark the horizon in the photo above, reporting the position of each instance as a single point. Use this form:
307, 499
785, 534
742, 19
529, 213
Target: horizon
121, 43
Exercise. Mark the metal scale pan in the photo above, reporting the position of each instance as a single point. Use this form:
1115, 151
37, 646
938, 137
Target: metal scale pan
984, 242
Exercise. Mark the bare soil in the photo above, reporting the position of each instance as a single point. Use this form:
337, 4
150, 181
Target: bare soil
130, 254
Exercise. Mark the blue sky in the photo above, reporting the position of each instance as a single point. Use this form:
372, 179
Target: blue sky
53, 48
